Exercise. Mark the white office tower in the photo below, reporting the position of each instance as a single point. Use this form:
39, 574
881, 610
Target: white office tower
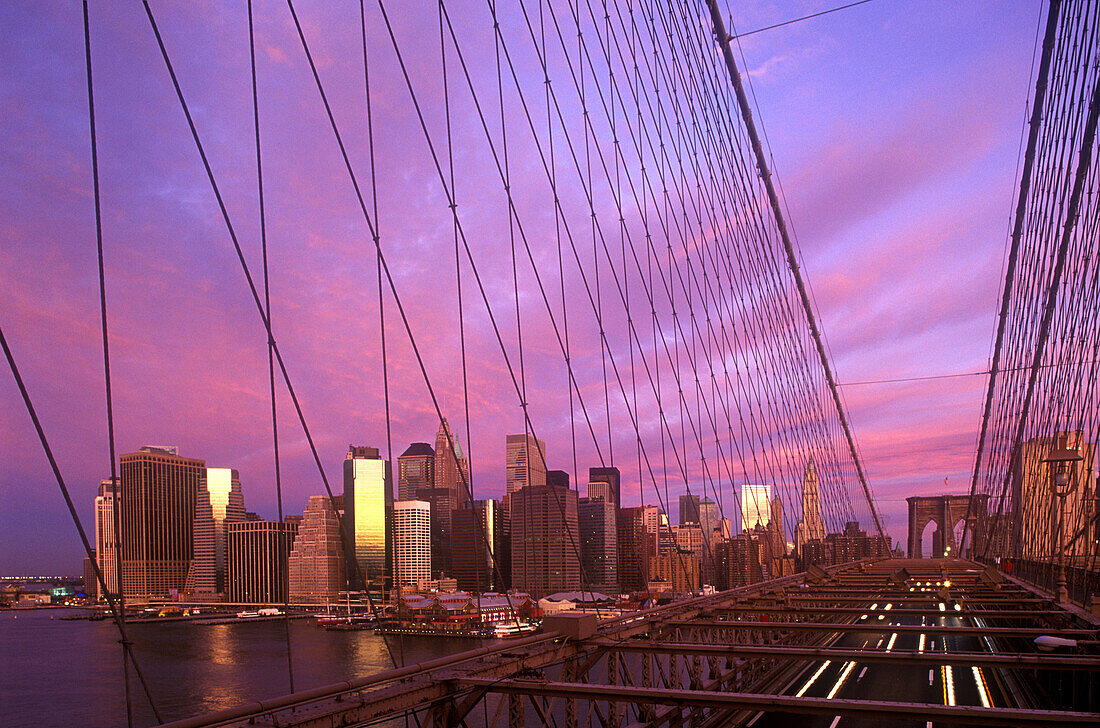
106, 546
412, 541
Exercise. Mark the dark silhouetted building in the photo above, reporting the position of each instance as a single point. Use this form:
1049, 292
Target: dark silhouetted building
475, 543
545, 541
634, 545
597, 521
738, 562
415, 470
605, 482
689, 509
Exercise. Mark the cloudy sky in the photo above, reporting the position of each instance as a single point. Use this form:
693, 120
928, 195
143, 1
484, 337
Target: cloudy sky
894, 128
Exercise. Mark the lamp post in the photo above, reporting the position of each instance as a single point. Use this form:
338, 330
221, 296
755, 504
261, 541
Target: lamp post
1063, 470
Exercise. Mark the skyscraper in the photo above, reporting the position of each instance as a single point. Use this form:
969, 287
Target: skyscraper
525, 460
689, 509
106, 546
219, 502
412, 550
709, 516
451, 469
157, 494
368, 503
597, 521
316, 564
259, 554
476, 545
634, 547
415, 470
605, 482
756, 505
545, 541
810, 527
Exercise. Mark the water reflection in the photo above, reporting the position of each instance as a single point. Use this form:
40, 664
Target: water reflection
65, 673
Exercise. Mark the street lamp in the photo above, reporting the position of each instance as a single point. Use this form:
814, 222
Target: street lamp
1063, 469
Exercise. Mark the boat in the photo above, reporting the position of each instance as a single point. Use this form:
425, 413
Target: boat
512, 630
347, 625
247, 615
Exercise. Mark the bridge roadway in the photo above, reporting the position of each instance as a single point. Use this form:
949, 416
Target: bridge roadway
815, 649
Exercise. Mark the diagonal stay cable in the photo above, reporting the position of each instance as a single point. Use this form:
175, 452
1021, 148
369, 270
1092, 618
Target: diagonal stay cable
116, 610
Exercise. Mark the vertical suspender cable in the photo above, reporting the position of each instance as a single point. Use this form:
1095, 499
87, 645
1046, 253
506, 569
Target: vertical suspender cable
1017, 231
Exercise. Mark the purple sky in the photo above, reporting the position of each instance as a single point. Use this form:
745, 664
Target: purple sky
894, 128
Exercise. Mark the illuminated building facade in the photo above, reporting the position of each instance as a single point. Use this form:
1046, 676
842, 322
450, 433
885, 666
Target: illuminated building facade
810, 527
316, 566
219, 502
259, 552
158, 491
368, 503
756, 506
105, 544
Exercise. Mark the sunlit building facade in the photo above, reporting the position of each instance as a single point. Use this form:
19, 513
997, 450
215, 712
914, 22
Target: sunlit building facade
451, 469
756, 505
106, 547
219, 502
157, 508
810, 527
368, 503
316, 563
259, 554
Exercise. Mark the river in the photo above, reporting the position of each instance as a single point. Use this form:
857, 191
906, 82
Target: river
69, 673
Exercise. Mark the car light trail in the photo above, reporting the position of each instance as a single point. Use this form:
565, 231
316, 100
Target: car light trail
815, 676
983, 689
840, 681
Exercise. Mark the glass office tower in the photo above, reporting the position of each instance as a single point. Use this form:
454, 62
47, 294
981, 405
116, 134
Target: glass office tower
368, 503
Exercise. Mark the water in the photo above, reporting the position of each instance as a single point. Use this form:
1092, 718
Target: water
69, 673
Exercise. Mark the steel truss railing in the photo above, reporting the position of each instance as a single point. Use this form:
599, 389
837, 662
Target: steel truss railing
712, 660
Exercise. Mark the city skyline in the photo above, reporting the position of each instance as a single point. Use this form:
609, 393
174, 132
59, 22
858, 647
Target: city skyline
912, 435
